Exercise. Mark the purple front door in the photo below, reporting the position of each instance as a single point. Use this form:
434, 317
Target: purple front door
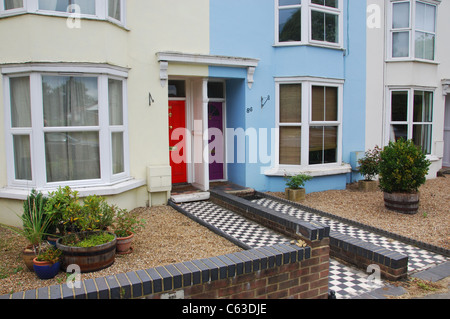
216, 146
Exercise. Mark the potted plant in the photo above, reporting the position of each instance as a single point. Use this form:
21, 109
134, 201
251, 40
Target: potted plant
125, 226
369, 168
91, 250
35, 226
295, 191
403, 169
47, 263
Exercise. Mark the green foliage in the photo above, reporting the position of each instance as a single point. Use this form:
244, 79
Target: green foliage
51, 255
403, 167
96, 214
87, 240
297, 181
126, 222
369, 164
64, 208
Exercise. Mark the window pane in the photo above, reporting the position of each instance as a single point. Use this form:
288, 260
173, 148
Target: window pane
115, 96
289, 2
400, 44
20, 102
324, 27
399, 106
118, 163
291, 103
114, 9
70, 101
400, 15
289, 25
13, 4
215, 90
425, 17
324, 103
423, 106
177, 88
290, 145
72, 156
422, 137
85, 6
398, 132
328, 3
424, 46
322, 144
22, 157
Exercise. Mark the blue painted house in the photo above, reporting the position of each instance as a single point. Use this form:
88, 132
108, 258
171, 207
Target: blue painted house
302, 107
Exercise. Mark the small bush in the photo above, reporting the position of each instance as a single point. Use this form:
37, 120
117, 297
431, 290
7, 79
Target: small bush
369, 164
297, 181
403, 167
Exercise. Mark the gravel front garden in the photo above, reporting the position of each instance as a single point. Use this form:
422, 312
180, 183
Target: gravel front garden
170, 237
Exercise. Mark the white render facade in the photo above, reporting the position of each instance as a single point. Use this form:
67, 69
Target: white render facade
408, 72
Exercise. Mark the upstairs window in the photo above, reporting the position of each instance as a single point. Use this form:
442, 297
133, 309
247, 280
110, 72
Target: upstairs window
113, 10
309, 22
413, 30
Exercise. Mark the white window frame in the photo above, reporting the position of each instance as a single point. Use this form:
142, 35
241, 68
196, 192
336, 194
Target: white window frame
410, 113
411, 29
307, 84
306, 32
101, 11
37, 131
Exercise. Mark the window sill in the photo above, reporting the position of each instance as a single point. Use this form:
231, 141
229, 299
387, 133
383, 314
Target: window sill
412, 61
103, 190
314, 171
318, 45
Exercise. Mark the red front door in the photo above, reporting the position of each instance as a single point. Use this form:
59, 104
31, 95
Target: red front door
177, 141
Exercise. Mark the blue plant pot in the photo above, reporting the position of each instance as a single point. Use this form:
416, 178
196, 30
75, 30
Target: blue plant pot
47, 271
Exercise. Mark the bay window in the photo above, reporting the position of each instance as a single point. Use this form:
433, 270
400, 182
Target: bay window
309, 122
411, 117
67, 129
113, 10
309, 21
413, 30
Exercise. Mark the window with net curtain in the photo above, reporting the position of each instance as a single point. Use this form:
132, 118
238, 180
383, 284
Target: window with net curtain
71, 128
418, 29
13, 4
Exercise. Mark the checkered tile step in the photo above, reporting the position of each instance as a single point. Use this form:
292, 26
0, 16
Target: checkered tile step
418, 259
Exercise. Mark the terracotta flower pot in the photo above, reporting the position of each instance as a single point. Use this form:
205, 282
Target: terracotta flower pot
123, 245
28, 254
45, 269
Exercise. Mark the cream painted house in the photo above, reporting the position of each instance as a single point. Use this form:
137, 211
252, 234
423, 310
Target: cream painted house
408, 76
84, 96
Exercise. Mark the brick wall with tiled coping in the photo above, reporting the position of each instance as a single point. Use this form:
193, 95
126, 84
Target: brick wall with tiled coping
279, 271
393, 265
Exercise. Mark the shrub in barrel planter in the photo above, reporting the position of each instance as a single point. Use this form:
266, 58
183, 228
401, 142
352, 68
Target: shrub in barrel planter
403, 169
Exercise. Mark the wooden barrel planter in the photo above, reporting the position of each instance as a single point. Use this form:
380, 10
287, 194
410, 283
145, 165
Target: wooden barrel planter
89, 259
402, 202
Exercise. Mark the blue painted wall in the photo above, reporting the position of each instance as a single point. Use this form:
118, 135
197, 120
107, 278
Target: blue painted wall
246, 29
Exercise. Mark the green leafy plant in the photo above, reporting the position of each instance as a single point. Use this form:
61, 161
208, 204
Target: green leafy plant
297, 181
126, 222
87, 239
35, 220
51, 255
64, 208
96, 214
403, 167
369, 164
